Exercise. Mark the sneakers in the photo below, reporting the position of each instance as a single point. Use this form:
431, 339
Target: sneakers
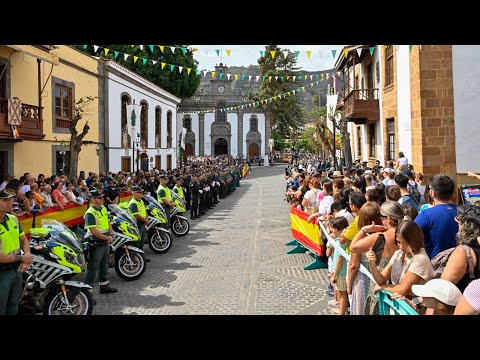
330, 290
107, 289
335, 311
333, 302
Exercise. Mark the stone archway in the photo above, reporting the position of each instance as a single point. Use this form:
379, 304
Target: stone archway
254, 143
221, 130
220, 147
190, 143
189, 149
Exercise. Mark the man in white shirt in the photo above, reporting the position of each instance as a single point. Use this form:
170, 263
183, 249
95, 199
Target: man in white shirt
6, 181
27, 187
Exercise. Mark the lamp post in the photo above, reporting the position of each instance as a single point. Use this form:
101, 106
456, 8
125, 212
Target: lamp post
136, 142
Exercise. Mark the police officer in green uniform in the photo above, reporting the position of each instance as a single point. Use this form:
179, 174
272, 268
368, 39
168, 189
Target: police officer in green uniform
12, 264
164, 196
139, 212
99, 233
178, 189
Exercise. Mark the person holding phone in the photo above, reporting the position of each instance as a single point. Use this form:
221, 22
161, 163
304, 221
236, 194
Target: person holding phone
381, 239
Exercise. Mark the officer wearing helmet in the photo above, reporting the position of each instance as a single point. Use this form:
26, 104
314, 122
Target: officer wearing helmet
139, 212
12, 263
99, 232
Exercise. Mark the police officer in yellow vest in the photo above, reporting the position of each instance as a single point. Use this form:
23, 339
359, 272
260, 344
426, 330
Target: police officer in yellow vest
164, 196
178, 189
99, 233
12, 264
139, 212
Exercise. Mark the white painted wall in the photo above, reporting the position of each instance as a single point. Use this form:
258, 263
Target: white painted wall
232, 118
378, 85
209, 119
466, 91
403, 101
118, 85
261, 130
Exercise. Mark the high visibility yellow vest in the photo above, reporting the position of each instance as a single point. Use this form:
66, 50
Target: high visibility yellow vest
101, 218
179, 190
140, 206
168, 194
10, 239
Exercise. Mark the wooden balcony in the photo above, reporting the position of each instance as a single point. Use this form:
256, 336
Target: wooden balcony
361, 106
32, 122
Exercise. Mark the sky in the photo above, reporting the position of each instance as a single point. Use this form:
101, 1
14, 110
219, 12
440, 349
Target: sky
244, 55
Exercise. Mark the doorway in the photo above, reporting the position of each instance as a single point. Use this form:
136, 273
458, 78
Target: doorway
126, 164
188, 149
220, 147
253, 150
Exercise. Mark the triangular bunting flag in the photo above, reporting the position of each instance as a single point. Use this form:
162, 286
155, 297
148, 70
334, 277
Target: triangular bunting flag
311, 85
334, 52
316, 76
180, 68
116, 53
411, 47
269, 78
235, 76
303, 88
163, 65
359, 52
125, 57
220, 76
309, 53
282, 77
293, 92
144, 61
285, 53
197, 72
95, 48
154, 62
276, 78
135, 58
288, 77
172, 67
243, 76
151, 48
323, 75
213, 74
228, 76
384, 46
264, 77
205, 73
311, 77
296, 54
85, 46
141, 47
249, 77
371, 49
228, 51
173, 49
420, 47
262, 53
161, 48
273, 53
217, 51
345, 52
294, 77
106, 51
184, 50
305, 77
256, 78
288, 93
188, 71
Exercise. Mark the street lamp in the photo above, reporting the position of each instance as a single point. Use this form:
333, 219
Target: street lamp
136, 142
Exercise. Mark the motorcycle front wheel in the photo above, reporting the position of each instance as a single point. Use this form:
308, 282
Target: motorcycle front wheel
160, 242
180, 227
80, 302
130, 267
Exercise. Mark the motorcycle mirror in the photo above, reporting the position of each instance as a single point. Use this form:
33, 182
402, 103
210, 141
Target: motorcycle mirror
50, 244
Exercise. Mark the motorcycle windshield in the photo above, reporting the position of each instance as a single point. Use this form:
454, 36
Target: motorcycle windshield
67, 238
152, 201
122, 214
60, 227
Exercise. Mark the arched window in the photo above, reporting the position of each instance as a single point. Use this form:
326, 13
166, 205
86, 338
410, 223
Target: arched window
158, 127
187, 123
221, 115
144, 125
253, 124
169, 129
125, 137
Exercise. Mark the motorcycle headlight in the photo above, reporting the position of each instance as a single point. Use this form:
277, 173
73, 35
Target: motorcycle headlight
78, 259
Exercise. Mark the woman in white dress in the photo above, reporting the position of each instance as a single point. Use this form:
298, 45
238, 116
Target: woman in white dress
402, 162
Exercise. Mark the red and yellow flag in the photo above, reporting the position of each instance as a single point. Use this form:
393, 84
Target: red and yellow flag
306, 233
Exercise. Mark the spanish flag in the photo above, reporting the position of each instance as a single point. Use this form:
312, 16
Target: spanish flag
244, 172
306, 233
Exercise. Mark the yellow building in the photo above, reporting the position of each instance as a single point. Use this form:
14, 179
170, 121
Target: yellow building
48, 80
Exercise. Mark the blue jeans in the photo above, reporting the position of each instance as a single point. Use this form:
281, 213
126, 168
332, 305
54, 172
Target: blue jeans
10, 291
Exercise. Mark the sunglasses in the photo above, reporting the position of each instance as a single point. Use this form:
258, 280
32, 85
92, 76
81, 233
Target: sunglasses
382, 216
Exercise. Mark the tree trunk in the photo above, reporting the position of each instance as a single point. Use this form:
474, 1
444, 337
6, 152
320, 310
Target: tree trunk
75, 148
347, 149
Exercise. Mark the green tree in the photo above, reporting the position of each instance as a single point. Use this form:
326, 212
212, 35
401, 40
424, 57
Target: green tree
182, 84
285, 112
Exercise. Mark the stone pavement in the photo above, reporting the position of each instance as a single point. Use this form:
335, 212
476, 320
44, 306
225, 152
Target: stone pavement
233, 261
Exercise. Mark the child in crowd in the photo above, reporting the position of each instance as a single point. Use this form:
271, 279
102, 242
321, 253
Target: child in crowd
339, 276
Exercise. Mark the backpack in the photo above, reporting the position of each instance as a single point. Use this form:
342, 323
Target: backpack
440, 260
414, 191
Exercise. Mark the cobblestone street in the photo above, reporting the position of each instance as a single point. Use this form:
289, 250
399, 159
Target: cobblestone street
233, 261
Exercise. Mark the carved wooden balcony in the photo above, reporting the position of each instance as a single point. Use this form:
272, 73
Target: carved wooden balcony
362, 106
32, 122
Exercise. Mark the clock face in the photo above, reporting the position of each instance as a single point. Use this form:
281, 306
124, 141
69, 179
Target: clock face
221, 89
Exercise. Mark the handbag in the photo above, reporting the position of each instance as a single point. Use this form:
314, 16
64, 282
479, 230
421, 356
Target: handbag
379, 246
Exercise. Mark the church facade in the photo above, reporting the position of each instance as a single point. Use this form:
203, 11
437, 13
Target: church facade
241, 132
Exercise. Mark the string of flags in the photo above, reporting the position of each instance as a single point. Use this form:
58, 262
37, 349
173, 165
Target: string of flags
228, 52
173, 67
255, 104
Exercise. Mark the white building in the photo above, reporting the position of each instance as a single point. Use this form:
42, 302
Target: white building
156, 126
237, 132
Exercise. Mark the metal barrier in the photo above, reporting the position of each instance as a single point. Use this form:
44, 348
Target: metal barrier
389, 306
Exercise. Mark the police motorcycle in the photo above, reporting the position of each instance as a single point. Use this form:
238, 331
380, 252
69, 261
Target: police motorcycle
159, 237
179, 224
128, 260
47, 286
